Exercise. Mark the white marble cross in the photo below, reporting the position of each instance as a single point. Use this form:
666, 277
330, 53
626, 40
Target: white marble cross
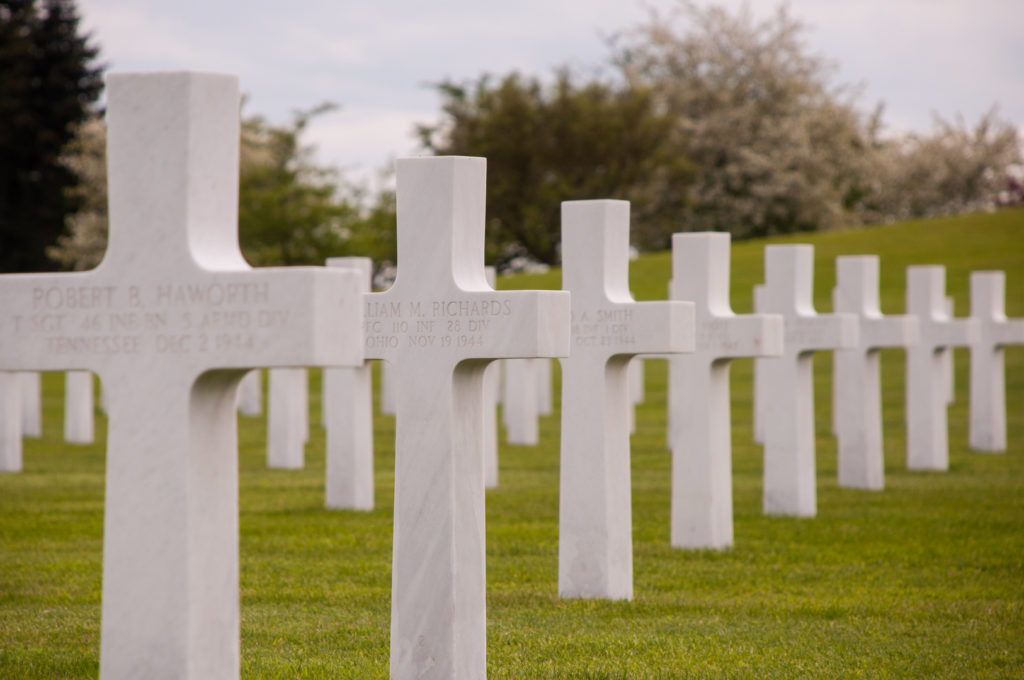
348, 419
439, 325
856, 372
699, 407
595, 550
787, 390
31, 404
79, 407
927, 431
170, 320
987, 430
521, 411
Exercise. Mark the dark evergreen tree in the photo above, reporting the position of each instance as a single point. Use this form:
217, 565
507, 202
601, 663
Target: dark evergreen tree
49, 79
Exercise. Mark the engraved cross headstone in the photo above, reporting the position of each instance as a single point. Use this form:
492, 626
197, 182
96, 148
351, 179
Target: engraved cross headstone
699, 406
170, 320
927, 431
439, 325
987, 430
595, 550
856, 372
787, 392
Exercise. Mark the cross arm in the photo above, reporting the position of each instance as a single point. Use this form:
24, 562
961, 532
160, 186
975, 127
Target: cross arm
742, 335
661, 326
468, 325
289, 316
821, 332
953, 332
1009, 332
889, 331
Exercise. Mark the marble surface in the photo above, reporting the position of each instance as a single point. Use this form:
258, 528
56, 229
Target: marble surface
520, 400
788, 422
170, 321
438, 326
11, 459
250, 394
31, 403
595, 551
287, 418
79, 414
492, 389
856, 372
348, 419
699, 407
987, 424
926, 380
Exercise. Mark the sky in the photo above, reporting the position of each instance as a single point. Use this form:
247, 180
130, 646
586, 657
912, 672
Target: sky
376, 59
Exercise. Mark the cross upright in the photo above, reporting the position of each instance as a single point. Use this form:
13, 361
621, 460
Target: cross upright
170, 320
856, 372
287, 418
699, 406
595, 550
439, 325
927, 430
10, 422
520, 402
787, 410
987, 429
348, 419
79, 408
31, 404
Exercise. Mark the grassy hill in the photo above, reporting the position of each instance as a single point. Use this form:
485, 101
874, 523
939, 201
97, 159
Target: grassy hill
924, 579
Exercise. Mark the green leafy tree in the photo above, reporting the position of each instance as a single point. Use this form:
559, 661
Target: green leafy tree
49, 79
290, 211
566, 141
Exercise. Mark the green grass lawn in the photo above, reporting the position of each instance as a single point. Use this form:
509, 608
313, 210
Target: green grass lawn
924, 579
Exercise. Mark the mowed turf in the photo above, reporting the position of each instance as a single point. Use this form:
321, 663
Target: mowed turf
922, 580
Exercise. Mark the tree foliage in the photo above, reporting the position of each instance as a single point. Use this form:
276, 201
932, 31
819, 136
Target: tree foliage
779, 149
567, 141
955, 168
85, 241
48, 81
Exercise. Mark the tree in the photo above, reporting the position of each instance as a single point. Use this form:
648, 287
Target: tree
779, 149
289, 208
566, 141
48, 82
85, 241
953, 169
